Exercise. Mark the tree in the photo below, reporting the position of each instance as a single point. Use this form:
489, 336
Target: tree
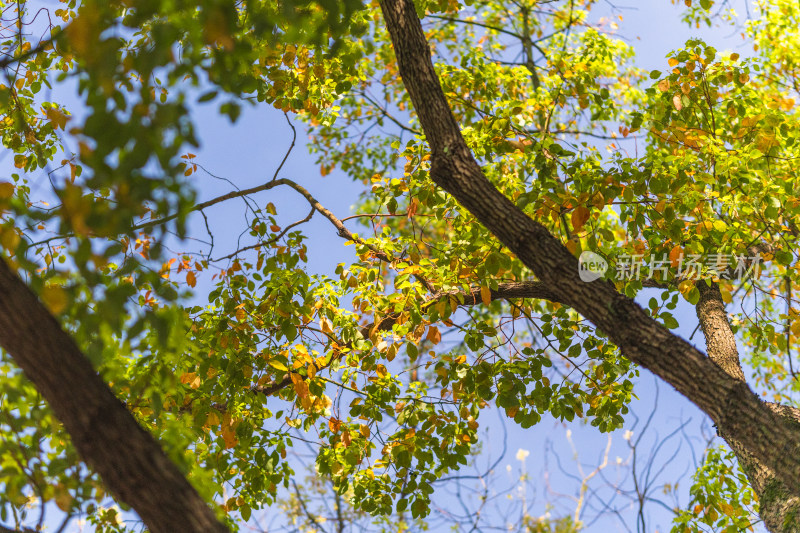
503, 182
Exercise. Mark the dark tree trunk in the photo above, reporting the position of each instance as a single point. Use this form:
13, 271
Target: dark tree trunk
130, 461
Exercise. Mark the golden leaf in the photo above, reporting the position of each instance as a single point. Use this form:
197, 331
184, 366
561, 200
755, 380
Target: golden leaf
54, 298
486, 295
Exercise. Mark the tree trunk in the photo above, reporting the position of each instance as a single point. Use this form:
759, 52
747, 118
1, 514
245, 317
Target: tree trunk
736, 410
777, 506
130, 461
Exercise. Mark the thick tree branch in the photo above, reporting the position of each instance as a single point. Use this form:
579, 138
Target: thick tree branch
4, 529
720, 341
130, 461
777, 506
729, 402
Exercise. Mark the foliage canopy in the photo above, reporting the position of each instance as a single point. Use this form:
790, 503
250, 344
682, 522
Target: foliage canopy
695, 160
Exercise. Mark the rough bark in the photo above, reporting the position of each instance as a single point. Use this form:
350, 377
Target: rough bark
720, 341
129, 460
777, 506
730, 403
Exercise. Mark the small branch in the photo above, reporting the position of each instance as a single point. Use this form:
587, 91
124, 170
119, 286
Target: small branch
476, 23
504, 291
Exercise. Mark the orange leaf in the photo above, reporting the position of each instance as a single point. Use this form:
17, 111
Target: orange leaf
228, 431
381, 371
579, 217
334, 425
191, 279
675, 255
433, 335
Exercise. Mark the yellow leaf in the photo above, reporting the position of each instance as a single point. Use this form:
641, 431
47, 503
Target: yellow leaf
6, 190
364, 430
726, 508
277, 365
55, 116
289, 56
381, 371
325, 325
212, 419
672, 61
63, 498
54, 298
486, 295
9, 239
216, 30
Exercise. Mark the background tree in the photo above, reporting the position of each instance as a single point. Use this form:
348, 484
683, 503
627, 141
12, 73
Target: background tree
503, 185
